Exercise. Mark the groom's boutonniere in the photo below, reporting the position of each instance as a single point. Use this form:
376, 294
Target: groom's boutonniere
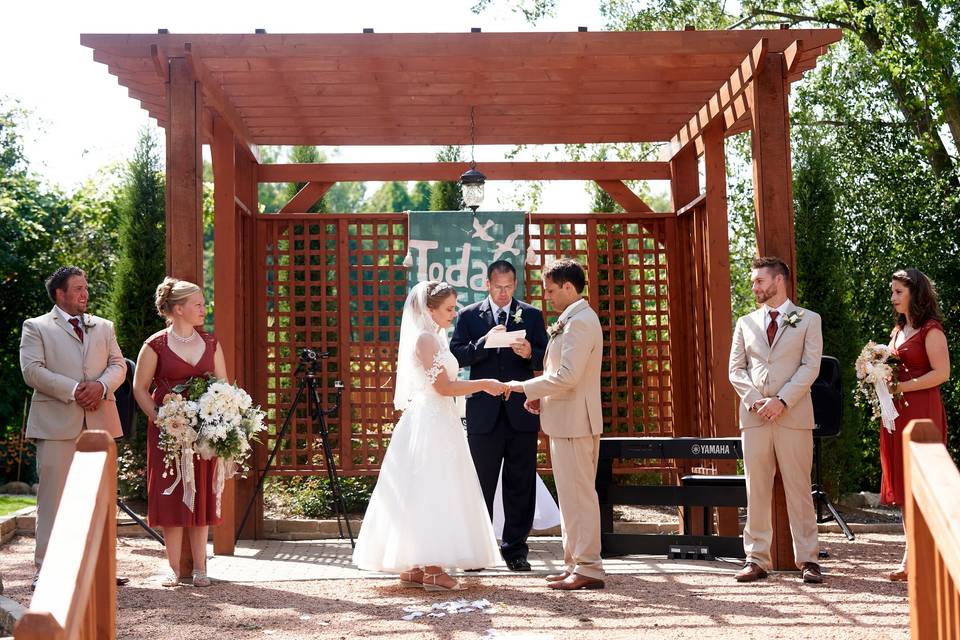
793, 318
518, 316
88, 322
555, 329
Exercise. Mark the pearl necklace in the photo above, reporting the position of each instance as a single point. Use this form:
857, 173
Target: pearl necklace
181, 339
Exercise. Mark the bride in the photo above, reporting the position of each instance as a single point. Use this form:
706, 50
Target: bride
427, 511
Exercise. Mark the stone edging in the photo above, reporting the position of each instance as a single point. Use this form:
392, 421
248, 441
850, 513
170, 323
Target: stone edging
10, 612
22, 523
19, 522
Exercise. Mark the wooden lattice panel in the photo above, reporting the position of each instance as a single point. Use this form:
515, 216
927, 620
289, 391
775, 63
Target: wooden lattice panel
298, 285
626, 264
339, 286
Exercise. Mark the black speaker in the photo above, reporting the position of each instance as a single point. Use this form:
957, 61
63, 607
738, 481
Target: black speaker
827, 395
126, 404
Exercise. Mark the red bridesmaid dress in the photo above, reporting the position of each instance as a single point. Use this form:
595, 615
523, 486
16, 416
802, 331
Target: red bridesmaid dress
925, 403
169, 511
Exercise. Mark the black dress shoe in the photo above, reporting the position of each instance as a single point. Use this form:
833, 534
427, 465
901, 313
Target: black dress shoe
474, 570
122, 580
519, 564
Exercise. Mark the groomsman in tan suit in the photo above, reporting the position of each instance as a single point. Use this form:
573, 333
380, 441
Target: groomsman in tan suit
72, 361
774, 358
567, 397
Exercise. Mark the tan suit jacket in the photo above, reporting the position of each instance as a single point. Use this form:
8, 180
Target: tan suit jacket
786, 368
54, 361
569, 388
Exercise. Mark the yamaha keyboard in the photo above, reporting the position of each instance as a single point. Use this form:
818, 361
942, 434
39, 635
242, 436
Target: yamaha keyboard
727, 491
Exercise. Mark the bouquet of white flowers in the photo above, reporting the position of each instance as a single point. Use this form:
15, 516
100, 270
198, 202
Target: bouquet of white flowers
177, 421
876, 369
225, 422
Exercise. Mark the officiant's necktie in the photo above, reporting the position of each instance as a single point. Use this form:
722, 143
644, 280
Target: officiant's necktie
502, 317
76, 328
772, 327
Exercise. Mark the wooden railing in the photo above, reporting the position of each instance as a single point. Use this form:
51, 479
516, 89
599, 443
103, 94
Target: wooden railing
76, 596
932, 512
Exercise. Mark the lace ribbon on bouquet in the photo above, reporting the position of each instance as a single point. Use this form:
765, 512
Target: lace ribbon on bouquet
223, 471
185, 474
888, 412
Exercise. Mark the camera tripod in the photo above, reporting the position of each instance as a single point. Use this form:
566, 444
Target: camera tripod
307, 372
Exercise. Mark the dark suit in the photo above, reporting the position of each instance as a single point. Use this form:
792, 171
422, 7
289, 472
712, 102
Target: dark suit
498, 431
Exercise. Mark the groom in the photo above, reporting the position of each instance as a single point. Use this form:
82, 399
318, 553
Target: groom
567, 397
499, 431
774, 358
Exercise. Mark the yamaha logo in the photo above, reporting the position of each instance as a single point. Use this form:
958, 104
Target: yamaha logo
711, 449
695, 449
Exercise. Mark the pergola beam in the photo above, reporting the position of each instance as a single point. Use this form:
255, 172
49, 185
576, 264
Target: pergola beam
216, 99
306, 197
727, 100
624, 196
451, 171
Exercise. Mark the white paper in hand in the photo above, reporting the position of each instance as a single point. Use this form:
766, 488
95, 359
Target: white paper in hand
498, 339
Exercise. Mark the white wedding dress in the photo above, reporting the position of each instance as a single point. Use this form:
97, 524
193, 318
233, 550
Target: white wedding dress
427, 507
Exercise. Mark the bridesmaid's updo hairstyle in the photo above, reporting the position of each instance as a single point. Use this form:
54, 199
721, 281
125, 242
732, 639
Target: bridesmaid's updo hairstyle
924, 303
172, 292
437, 292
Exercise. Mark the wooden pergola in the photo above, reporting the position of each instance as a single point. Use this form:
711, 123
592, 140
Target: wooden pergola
689, 89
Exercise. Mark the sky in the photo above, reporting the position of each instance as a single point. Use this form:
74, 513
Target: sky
82, 120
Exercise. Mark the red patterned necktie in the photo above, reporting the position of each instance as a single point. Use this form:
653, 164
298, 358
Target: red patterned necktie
76, 328
772, 327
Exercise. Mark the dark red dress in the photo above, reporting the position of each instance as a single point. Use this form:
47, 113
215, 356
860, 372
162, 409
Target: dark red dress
169, 511
925, 403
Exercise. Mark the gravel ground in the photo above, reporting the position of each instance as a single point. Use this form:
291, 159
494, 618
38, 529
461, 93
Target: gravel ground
855, 602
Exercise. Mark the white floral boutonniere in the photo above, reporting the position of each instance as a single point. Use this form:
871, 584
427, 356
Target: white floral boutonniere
555, 329
793, 318
88, 322
518, 316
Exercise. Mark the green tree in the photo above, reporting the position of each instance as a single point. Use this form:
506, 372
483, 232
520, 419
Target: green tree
306, 155
391, 196
142, 247
420, 196
140, 268
446, 196
823, 284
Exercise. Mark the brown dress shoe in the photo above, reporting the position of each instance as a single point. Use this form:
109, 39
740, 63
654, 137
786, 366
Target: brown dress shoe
557, 577
750, 572
898, 575
576, 581
811, 573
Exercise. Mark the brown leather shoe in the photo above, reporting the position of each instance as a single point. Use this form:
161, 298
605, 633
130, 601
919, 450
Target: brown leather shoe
750, 572
557, 577
811, 573
898, 575
576, 581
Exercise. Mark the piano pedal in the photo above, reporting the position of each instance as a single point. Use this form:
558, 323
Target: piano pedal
689, 552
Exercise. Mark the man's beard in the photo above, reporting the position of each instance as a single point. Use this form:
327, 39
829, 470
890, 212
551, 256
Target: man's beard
765, 295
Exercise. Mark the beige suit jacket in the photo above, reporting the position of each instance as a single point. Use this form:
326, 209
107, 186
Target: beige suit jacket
786, 368
569, 389
54, 361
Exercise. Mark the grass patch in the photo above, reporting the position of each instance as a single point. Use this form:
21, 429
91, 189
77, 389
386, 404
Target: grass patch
9, 504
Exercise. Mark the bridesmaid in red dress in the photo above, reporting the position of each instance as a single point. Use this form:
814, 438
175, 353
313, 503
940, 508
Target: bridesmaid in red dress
921, 344
168, 358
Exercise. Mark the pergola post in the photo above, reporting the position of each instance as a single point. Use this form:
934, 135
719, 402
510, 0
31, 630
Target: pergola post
773, 200
184, 219
184, 215
248, 292
226, 287
723, 399
685, 186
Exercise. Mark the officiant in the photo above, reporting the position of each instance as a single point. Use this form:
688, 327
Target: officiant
501, 432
